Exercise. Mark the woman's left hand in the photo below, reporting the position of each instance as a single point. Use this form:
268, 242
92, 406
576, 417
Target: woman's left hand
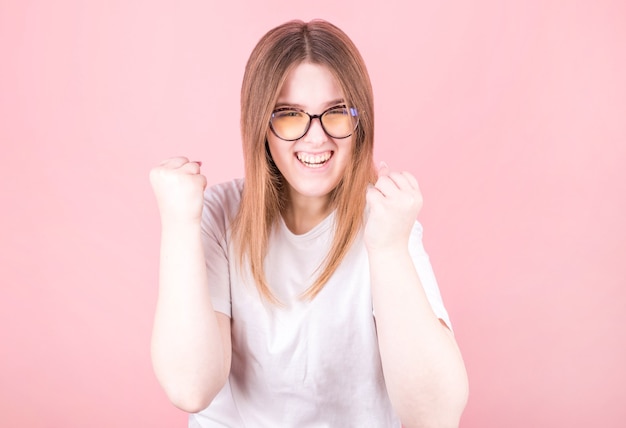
394, 202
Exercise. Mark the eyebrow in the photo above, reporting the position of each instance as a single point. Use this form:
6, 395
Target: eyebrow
301, 107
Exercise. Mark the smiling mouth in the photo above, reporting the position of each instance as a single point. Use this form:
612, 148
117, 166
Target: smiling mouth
314, 161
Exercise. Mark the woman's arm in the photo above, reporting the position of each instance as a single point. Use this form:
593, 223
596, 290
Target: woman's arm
423, 368
191, 346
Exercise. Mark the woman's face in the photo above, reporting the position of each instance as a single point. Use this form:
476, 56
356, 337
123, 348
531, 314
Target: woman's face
314, 164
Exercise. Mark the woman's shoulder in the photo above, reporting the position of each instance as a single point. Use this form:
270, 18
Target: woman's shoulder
222, 200
226, 191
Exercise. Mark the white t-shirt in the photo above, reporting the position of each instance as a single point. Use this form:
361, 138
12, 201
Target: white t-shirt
308, 363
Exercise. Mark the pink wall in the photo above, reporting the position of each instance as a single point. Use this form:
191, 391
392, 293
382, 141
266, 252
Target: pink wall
511, 113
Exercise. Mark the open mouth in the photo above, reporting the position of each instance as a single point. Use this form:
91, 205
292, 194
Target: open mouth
314, 160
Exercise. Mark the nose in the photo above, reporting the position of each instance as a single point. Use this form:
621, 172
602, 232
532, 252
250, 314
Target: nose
315, 134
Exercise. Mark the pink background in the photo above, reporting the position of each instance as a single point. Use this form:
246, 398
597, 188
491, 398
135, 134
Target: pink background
511, 113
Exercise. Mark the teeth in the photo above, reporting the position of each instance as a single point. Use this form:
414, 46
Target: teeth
313, 160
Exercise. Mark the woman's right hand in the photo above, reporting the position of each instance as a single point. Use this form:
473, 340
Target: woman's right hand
179, 187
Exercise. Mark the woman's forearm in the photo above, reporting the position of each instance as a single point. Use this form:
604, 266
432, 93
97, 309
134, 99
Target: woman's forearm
424, 372
190, 354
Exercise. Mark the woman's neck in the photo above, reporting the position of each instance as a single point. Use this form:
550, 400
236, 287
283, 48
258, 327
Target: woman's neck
302, 214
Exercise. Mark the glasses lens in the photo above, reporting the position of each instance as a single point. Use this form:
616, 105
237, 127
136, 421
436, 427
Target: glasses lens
340, 122
289, 124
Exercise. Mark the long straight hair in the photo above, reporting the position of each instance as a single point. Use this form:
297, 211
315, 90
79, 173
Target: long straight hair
264, 193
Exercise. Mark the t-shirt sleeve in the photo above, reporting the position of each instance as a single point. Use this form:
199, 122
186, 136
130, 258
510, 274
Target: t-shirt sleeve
215, 221
426, 274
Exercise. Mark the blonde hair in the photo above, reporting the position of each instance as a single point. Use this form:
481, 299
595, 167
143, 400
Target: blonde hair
278, 52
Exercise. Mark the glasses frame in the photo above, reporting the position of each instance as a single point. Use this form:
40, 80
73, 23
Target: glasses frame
352, 110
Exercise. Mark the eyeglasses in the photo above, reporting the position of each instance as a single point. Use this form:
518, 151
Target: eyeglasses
291, 124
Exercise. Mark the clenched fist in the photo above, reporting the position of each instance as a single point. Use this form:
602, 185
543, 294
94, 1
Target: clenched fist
178, 186
394, 202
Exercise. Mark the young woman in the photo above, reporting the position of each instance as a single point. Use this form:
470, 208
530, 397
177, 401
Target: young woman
302, 296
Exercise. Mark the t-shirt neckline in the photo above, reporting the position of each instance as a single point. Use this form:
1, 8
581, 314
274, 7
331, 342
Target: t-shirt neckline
319, 229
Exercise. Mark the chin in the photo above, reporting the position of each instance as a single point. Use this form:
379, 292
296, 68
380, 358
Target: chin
314, 190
